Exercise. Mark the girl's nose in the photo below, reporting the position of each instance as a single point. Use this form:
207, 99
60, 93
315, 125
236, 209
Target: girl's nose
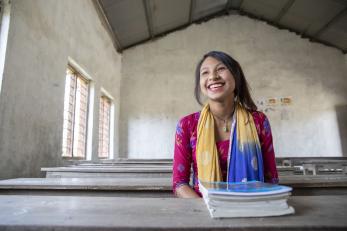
214, 76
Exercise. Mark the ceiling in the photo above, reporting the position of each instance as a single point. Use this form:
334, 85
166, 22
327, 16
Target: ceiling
132, 22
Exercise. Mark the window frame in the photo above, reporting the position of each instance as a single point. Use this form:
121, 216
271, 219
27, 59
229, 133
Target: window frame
5, 17
106, 94
81, 73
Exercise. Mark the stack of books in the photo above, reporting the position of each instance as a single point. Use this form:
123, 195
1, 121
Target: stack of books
248, 199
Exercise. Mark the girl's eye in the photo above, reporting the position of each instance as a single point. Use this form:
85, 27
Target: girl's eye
221, 68
203, 73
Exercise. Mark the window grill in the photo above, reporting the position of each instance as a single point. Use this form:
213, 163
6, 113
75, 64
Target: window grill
104, 127
75, 115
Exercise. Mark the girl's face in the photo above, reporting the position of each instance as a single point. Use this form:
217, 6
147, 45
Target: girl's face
216, 81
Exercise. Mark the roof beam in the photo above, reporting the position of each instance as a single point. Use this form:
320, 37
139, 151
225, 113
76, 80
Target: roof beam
233, 5
191, 10
228, 6
331, 22
149, 17
283, 11
240, 5
102, 15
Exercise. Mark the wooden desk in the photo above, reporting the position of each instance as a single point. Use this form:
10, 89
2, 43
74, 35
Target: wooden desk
152, 187
121, 213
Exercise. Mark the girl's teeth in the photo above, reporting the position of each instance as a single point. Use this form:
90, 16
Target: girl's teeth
215, 86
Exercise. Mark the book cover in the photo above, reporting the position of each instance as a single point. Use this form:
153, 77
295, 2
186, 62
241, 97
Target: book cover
251, 188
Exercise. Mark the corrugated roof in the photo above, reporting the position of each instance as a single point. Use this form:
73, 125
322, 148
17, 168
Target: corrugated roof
132, 22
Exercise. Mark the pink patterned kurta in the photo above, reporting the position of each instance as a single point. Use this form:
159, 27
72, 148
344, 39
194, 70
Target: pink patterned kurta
185, 151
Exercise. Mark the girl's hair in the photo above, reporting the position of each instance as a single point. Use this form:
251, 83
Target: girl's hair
242, 93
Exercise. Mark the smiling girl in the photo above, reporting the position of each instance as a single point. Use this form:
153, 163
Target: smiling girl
229, 140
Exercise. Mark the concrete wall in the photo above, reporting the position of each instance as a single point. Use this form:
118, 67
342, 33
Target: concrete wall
157, 86
42, 35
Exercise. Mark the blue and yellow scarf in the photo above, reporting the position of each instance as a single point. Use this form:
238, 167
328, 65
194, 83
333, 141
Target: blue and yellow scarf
245, 162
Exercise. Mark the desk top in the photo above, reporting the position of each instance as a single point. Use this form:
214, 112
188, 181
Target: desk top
122, 213
152, 183
120, 184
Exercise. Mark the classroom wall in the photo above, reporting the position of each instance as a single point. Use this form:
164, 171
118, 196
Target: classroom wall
158, 81
152, 84
42, 35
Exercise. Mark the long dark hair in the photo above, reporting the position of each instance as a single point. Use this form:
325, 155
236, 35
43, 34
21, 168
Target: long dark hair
242, 93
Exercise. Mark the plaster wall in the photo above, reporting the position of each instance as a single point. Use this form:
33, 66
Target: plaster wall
42, 35
158, 82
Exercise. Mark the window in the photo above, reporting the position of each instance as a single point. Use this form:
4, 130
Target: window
75, 115
104, 127
1, 10
5, 8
